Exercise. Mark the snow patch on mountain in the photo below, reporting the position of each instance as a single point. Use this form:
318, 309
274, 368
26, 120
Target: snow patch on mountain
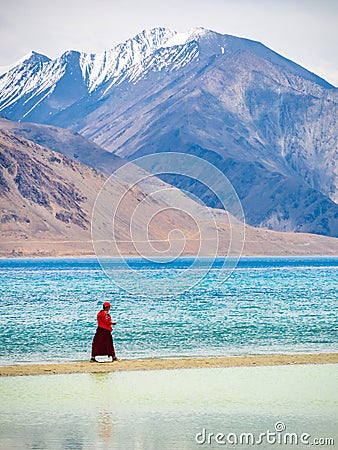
133, 59
184, 38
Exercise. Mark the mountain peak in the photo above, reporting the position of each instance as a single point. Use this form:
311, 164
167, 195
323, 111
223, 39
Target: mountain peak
70, 56
177, 38
33, 57
153, 37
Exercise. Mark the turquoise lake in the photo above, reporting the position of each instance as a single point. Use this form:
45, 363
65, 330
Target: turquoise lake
268, 305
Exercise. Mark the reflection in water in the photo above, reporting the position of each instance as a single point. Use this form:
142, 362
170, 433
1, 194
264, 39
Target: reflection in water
106, 427
164, 410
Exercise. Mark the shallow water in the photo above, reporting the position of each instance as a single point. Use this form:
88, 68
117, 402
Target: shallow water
268, 305
165, 410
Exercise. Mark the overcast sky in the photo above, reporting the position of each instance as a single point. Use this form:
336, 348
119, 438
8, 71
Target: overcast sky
305, 31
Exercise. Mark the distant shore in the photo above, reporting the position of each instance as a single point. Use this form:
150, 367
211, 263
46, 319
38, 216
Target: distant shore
168, 364
258, 242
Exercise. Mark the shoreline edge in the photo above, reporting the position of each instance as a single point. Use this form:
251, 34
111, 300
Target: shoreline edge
167, 364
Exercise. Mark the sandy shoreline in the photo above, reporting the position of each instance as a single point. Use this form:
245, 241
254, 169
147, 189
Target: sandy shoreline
166, 364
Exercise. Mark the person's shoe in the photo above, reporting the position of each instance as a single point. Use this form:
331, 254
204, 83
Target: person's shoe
92, 360
101, 358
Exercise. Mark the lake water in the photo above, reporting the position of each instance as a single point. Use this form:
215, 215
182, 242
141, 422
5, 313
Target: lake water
268, 305
170, 409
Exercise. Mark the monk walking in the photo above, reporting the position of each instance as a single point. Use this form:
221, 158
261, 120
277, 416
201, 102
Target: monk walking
103, 341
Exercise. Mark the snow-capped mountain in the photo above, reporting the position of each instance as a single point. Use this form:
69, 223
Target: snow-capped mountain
36, 81
267, 122
43, 87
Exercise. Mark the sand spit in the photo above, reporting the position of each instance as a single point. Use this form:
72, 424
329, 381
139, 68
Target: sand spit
167, 364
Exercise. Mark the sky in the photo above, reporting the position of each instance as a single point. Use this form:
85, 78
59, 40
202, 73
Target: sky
304, 31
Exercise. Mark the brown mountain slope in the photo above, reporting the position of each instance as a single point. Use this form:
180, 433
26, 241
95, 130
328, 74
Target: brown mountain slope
44, 195
67, 143
47, 199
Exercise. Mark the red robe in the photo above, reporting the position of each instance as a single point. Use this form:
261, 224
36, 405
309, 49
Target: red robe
103, 341
104, 320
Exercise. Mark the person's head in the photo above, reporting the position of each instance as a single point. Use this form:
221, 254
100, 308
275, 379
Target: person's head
106, 306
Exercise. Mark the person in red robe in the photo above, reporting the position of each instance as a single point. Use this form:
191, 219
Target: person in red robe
102, 344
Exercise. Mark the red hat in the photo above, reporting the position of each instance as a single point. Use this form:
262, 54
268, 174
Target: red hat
105, 304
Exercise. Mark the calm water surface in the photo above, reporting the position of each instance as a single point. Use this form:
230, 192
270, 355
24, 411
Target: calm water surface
165, 410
